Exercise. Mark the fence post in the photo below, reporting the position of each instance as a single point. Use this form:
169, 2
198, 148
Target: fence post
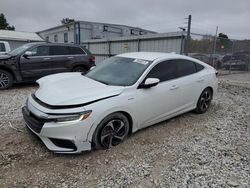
109, 48
230, 66
138, 45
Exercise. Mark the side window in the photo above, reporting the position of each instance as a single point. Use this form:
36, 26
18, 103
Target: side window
40, 51
2, 47
164, 71
199, 67
75, 51
59, 50
185, 67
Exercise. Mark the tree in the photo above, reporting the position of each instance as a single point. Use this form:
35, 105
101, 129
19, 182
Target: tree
67, 21
4, 24
222, 35
224, 44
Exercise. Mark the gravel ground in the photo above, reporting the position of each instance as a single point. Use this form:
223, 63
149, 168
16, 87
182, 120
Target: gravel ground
208, 150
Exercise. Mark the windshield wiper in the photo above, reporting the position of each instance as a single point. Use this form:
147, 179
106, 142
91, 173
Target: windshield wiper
106, 83
103, 82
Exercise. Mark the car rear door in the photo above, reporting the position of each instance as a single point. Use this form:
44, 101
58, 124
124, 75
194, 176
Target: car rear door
190, 81
37, 65
61, 58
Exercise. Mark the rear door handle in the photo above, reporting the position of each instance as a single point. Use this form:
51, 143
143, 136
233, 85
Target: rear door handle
70, 57
46, 58
201, 79
173, 87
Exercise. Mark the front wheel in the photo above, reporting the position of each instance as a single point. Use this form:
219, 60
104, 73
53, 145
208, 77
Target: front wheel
6, 80
112, 130
204, 101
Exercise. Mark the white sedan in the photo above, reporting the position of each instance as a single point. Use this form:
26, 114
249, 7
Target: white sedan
71, 112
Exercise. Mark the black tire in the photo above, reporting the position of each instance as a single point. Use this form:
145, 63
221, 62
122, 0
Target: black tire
80, 69
111, 131
204, 101
6, 80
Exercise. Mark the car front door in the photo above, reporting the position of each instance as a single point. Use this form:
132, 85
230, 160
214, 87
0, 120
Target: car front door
156, 103
36, 65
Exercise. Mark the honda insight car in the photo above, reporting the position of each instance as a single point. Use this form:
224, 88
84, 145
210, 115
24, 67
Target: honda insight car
72, 112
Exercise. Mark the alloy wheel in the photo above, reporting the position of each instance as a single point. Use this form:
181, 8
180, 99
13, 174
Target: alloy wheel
113, 133
205, 100
4, 80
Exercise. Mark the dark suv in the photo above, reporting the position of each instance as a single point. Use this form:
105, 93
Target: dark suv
238, 60
31, 61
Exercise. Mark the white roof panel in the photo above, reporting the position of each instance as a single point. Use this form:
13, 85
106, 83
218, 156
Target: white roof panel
19, 36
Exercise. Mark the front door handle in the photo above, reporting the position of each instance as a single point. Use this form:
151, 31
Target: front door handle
46, 58
70, 57
173, 87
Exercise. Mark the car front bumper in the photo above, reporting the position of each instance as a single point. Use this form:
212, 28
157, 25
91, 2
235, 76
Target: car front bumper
58, 137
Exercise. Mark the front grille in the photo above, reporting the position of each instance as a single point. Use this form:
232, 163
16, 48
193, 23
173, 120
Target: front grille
32, 121
63, 143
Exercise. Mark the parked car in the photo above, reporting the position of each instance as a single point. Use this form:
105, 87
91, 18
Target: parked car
35, 60
210, 59
72, 113
238, 60
4, 47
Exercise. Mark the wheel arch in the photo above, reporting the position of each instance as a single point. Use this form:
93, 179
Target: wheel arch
96, 123
211, 89
8, 70
79, 65
130, 119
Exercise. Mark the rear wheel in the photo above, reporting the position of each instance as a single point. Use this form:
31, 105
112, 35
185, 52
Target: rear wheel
6, 79
204, 101
111, 131
79, 69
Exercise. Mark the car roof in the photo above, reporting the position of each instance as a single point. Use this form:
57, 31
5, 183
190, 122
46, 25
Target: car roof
55, 44
151, 56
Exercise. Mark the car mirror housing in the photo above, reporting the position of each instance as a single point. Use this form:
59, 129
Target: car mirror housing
92, 67
27, 54
149, 82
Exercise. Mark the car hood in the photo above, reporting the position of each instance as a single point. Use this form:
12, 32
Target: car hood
73, 89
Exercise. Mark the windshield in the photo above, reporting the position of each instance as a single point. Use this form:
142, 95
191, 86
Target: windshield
120, 71
20, 49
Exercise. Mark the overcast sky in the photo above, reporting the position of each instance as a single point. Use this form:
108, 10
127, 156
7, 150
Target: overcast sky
232, 17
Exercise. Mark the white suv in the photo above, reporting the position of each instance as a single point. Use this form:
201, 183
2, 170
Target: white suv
4, 47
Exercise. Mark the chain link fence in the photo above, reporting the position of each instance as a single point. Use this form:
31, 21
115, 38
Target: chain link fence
226, 55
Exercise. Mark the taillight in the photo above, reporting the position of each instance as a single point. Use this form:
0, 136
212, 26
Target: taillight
216, 73
92, 58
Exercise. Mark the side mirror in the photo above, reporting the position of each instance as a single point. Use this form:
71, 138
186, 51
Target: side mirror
27, 54
91, 68
149, 82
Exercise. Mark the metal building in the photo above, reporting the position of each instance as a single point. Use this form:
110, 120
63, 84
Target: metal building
79, 31
161, 42
17, 38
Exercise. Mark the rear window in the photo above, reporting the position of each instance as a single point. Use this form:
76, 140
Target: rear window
2, 47
76, 51
199, 67
59, 50
185, 67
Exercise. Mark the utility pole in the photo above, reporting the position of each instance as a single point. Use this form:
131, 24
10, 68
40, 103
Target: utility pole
215, 41
188, 34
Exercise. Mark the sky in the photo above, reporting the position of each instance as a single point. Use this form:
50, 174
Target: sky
231, 16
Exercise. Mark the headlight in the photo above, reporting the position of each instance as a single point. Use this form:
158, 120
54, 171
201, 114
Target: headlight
70, 118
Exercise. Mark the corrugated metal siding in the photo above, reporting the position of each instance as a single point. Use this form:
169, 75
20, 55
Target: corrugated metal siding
164, 42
